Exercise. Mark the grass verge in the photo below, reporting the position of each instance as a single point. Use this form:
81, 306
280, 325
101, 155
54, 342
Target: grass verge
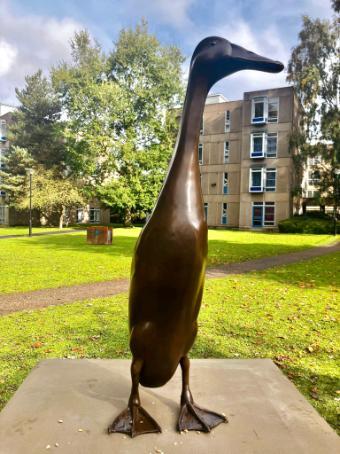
65, 260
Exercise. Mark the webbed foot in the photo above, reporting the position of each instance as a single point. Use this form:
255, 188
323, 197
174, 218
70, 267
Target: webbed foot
133, 421
192, 417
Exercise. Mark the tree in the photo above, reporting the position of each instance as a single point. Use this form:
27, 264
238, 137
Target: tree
13, 174
36, 124
314, 70
119, 136
51, 195
37, 142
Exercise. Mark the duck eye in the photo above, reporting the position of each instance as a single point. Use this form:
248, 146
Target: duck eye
212, 43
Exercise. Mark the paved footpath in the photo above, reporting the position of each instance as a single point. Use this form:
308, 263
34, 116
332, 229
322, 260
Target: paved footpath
58, 232
14, 302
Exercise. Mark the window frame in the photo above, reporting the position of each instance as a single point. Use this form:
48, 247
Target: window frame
261, 119
266, 187
3, 217
252, 188
200, 151
266, 223
264, 206
3, 131
2, 155
95, 211
202, 126
227, 120
274, 100
224, 213
265, 118
226, 151
80, 210
254, 135
264, 152
312, 181
272, 135
206, 210
225, 183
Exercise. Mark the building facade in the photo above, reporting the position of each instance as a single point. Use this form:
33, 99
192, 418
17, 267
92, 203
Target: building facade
246, 167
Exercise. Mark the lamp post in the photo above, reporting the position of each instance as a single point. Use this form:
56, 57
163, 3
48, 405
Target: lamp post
30, 173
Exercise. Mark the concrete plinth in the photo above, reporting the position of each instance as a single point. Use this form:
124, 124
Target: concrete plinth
65, 406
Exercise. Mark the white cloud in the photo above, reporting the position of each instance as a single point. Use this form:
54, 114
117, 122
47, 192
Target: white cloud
171, 12
30, 43
8, 55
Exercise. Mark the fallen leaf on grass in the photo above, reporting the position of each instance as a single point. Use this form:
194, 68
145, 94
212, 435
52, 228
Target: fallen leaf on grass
37, 344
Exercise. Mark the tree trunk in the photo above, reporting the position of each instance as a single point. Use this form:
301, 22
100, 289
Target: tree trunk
61, 218
127, 218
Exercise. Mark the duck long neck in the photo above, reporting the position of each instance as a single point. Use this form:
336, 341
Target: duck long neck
182, 187
196, 95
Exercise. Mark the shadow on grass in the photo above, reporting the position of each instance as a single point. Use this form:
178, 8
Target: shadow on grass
315, 273
219, 251
122, 246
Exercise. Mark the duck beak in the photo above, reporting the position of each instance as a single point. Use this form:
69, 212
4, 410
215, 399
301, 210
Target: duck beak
250, 60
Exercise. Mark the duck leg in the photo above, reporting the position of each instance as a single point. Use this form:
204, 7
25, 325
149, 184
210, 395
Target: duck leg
191, 416
134, 420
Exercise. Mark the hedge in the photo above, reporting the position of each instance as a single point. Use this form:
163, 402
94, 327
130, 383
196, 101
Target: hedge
302, 224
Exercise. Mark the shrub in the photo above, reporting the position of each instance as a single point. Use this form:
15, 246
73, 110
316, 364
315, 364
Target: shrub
301, 224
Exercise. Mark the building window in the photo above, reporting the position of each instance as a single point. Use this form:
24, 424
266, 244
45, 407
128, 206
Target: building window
259, 110
202, 127
3, 214
94, 215
263, 214
313, 161
273, 110
226, 152
2, 155
257, 145
206, 210
270, 180
271, 151
224, 219
227, 121
225, 183
80, 215
261, 179
3, 130
312, 194
200, 153
263, 145
313, 177
264, 110
256, 180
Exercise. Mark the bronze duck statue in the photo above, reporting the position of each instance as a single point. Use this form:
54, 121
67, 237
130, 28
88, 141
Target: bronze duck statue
168, 268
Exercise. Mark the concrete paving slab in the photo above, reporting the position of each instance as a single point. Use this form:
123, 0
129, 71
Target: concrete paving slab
65, 406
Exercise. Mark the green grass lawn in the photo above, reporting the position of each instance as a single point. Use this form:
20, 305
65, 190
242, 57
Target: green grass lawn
285, 313
24, 230
64, 260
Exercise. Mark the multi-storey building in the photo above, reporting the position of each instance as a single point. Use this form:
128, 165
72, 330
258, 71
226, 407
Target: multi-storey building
246, 166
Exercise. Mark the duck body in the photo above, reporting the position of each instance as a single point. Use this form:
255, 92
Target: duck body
165, 295
168, 268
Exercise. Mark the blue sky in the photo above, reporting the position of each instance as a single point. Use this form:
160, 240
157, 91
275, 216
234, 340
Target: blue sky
35, 33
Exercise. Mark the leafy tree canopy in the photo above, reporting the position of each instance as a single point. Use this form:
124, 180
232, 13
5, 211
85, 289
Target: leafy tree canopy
120, 133
314, 70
